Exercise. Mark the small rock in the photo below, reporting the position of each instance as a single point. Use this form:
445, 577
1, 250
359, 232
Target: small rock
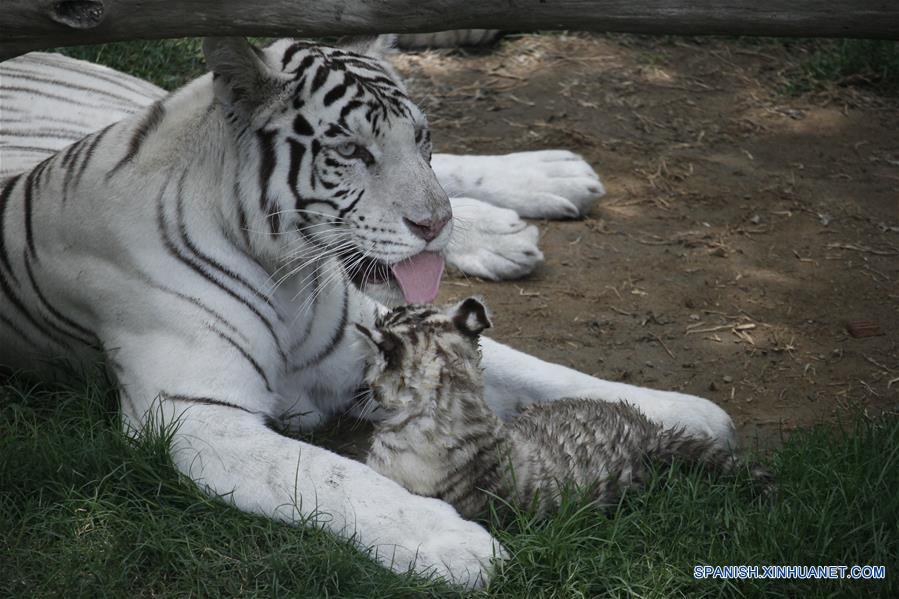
713, 386
863, 328
727, 379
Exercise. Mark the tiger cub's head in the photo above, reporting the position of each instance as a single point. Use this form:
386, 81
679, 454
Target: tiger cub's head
334, 159
422, 355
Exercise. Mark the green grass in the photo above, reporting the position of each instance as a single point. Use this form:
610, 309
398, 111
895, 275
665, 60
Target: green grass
871, 63
86, 512
167, 63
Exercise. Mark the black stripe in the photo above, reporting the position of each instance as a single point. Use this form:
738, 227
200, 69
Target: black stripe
4, 197
335, 130
353, 61
67, 99
56, 83
313, 309
304, 66
148, 280
29, 148
122, 80
50, 134
288, 54
316, 148
321, 76
335, 340
246, 355
29, 205
297, 151
352, 205
19, 332
335, 94
97, 138
70, 151
85, 128
302, 127
17, 302
206, 401
274, 220
267, 162
482, 467
206, 258
350, 106
69, 160
242, 216
191, 263
84, 335
152, 119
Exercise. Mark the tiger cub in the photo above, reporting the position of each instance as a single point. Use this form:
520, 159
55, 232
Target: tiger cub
438, 437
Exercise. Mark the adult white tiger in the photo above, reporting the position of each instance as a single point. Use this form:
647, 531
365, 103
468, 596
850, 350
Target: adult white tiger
51, 100
155, 241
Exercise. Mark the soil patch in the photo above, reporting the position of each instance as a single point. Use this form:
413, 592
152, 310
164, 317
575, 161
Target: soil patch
742, 230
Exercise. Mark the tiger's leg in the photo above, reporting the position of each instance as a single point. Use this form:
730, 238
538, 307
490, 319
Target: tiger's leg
541, 184
220, 440
514, 379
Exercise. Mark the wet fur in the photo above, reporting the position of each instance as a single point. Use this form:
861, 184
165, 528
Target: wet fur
440, 439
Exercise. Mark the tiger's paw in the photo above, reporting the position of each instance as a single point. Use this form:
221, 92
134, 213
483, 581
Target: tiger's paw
491, 243
555, 184
457, 550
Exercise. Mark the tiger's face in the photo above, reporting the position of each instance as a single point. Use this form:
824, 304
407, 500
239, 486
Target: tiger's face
338, 157
419, 354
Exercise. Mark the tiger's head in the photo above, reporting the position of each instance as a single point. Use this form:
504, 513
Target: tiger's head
334, 160
417, 354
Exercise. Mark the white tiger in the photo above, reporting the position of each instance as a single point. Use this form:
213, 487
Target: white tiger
159, 242
51, 100
453, 38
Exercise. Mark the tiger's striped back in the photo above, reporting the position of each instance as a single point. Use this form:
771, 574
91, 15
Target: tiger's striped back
74, 97
454, 38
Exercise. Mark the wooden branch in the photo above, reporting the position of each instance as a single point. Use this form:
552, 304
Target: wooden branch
33, 24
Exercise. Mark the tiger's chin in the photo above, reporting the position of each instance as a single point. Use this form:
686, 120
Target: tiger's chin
387, 293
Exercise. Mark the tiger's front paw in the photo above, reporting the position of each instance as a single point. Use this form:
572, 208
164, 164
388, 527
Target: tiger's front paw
491, 243
554, 184
437, 541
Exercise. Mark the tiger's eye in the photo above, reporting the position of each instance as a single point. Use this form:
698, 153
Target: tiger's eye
348, 150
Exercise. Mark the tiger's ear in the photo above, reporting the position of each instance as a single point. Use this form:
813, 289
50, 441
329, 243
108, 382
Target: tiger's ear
470, 317
376, 46
242, 79
385, 344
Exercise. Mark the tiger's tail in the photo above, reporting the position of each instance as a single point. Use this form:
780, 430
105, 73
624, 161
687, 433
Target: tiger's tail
676, 445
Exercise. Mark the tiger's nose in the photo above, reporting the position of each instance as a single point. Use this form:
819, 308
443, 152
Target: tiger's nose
427, 229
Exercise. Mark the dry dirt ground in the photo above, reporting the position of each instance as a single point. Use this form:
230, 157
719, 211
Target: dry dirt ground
742, 230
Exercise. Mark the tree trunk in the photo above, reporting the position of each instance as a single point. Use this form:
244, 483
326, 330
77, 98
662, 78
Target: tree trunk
33, 24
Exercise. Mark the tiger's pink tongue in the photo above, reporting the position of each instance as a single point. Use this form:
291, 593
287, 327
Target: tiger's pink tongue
419, 277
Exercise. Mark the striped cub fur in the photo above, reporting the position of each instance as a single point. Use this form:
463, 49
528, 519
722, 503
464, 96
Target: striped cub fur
439, 438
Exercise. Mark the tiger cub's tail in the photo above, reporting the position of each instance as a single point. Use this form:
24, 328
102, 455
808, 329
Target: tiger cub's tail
676, 445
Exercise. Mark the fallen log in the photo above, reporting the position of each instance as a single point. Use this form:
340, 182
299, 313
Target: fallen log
34, 24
